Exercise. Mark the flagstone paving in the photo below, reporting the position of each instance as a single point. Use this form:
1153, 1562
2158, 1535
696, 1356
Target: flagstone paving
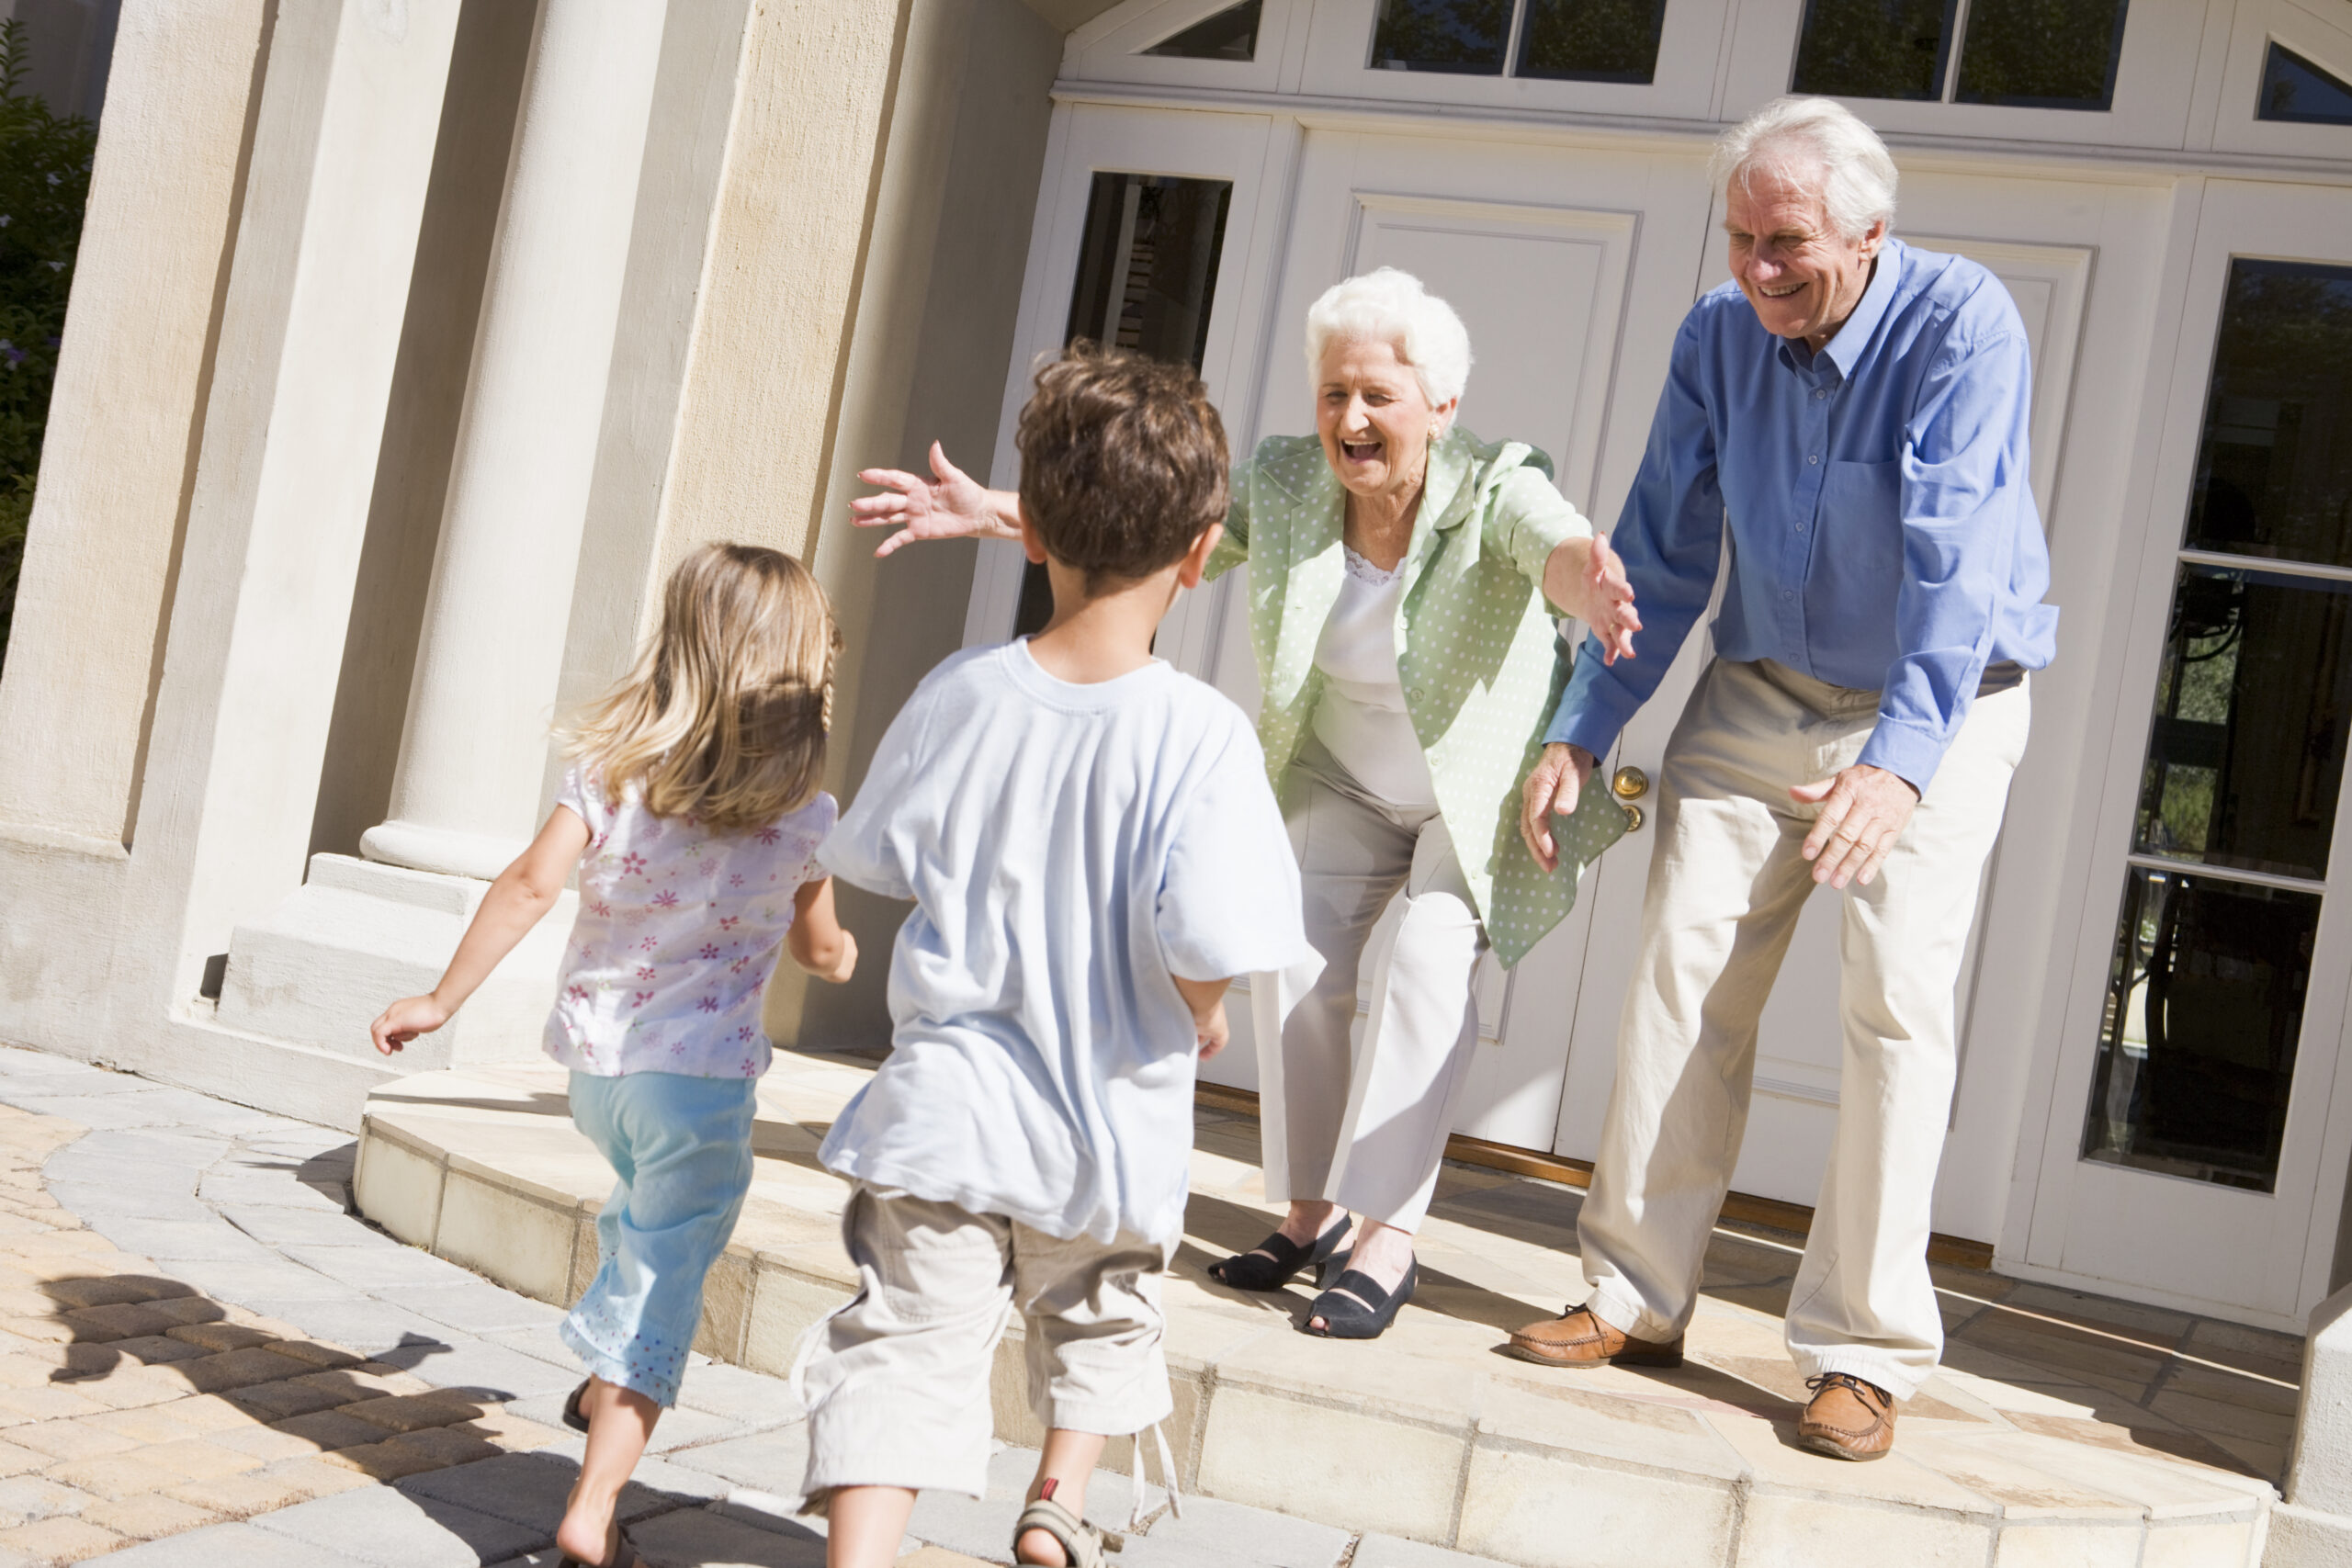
2061, 1427
206, 1359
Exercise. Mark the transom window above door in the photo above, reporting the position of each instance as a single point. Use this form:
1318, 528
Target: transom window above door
1230, 34
2295, 90
2059, 54
1571, 40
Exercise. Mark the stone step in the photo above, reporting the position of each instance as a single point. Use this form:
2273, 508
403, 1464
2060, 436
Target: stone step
2047, 1438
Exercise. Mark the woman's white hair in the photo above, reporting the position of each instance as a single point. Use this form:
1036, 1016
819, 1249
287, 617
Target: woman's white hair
1806, 136
1391, 306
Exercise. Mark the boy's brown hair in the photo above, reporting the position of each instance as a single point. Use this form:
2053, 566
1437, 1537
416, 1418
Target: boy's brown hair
1122, 463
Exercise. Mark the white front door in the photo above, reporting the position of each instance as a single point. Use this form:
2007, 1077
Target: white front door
2039, 237
2199, 1130
1570, 266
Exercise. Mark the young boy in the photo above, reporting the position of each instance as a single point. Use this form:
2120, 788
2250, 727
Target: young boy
1093, 853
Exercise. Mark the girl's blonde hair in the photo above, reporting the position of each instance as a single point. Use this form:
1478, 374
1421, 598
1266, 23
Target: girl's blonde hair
725, 716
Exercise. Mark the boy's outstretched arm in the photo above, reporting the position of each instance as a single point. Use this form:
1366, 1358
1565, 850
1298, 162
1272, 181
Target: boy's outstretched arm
524, 892
817, 940
1207, 998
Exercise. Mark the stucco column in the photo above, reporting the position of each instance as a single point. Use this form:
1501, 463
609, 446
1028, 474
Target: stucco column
473, 753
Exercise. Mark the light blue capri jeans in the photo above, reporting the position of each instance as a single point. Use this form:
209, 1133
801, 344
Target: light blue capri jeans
681, 1147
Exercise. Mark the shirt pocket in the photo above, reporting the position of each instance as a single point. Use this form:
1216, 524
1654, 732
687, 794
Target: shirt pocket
1858, 553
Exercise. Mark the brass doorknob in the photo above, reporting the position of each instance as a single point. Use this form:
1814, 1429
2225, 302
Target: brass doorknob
1633, 817
1631, 784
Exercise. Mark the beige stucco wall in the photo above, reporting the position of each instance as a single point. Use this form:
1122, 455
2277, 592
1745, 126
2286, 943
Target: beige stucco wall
782, 270
126, 418
928, 359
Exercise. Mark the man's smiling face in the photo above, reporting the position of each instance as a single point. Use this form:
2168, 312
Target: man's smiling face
1802, 277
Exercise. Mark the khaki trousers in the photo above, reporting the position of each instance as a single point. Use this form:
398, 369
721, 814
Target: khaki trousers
1727, 882
896, 1381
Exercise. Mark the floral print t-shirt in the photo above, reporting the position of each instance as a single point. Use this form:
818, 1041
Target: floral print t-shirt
679, 929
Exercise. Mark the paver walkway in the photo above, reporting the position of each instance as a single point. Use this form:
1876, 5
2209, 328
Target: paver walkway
205, 1360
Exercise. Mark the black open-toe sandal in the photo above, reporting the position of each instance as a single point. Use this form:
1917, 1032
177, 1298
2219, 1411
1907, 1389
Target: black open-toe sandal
573, 1416
1366, 1311
1256, 1271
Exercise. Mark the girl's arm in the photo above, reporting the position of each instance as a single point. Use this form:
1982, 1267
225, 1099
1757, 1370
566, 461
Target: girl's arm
817, 941
949, 505
523, 893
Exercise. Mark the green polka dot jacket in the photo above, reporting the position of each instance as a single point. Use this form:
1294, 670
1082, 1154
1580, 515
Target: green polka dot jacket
1476, 647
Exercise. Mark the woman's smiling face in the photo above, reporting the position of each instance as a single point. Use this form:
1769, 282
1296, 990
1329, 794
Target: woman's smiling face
1375, 420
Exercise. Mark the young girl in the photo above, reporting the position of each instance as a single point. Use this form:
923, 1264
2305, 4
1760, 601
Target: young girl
693, 796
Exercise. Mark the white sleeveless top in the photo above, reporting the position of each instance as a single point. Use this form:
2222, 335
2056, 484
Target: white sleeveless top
1360, 716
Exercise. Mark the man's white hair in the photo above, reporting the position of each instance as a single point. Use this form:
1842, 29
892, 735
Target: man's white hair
1817, 136
1391, 306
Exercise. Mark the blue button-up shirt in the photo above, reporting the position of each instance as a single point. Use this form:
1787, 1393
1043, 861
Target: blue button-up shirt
1884, 534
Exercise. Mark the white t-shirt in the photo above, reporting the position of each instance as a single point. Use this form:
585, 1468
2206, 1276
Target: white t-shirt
1360, 716
1068, 849
679, 929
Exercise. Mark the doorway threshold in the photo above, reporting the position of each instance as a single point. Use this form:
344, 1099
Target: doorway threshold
1740, 1209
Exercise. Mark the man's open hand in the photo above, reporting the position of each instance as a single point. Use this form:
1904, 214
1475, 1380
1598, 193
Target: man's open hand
1863, 812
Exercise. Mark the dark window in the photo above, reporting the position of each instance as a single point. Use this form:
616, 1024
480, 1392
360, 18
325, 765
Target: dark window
2246, 755
2051, 54
1146, 276
1462, 37
2204, 1006
2295, 89
1592, 40
1231, 34
2274, 470
2244, 774
2029, 54
1872, 49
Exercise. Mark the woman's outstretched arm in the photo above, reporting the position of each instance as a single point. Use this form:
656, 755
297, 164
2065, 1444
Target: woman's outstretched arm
950, 504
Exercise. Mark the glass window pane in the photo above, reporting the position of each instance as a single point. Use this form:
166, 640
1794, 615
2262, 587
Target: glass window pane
2252, 706
1463, 37
1872, 49
2295, 89
2052, 54
1592, 40
1231, 34
2196, 1050
2274, 466
1147, 276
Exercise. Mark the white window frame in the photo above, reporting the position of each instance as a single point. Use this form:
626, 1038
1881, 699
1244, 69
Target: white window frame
1110, 48
1338, 50
2153, 79
2322, 38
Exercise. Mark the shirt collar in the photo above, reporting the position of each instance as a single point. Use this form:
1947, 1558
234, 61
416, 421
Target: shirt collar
1845, 349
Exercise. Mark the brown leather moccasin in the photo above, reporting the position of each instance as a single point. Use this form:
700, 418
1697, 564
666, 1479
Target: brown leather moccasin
1578, 1339
1848, 1418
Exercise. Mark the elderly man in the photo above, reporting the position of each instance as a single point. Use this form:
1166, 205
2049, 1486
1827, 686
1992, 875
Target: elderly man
1855, 412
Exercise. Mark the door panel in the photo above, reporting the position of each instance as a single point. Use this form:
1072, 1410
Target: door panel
1799, 1053
2198, 1129
1555, 258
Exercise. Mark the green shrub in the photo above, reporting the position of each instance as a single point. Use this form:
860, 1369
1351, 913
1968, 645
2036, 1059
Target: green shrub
44, 182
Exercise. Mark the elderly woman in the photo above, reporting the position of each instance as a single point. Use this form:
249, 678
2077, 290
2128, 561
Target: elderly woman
1405, 577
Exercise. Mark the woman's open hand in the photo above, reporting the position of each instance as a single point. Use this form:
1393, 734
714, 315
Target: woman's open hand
1586, 579
1608, 601
949, 505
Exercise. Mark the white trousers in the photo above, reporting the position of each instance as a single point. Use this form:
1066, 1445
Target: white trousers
1727, 882
1365, 1124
